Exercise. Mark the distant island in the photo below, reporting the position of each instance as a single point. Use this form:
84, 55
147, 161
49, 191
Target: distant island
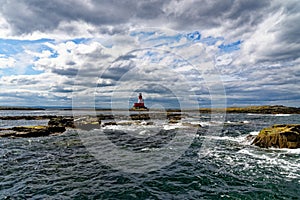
267, 109
19, 108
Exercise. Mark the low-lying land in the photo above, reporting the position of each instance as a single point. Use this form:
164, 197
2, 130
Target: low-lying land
276, 109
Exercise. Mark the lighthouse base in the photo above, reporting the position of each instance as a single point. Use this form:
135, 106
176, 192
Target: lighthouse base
139, 109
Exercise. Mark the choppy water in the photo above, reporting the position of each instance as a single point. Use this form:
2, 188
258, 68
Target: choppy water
62, 167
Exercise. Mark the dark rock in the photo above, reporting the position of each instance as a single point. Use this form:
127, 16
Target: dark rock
250, 137
149, 123
56, 129
87, 123
61, 121
173, 121
279, 136
143, 116
31, 131
191, 125
174, 116
105, 117
88, 126
110, 123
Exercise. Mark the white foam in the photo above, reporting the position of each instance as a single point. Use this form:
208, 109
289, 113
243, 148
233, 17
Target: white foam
123, 128
204, 123
173, 126
282, 115
143, 122
269, 159
254, 133
254, 114
195, 123
238, 139
143, 132
276, 115
211, 123
287, 151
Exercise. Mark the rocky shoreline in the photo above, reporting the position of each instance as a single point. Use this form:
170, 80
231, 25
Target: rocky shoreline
59, 124
276, 136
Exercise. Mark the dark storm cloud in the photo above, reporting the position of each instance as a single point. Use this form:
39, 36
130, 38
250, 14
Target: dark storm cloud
61, 89
65, 72
126, 57
291, 26
43, 15
211, 13
23, 81
260, 96
70, 63
118, 69
288, 33
154, 88
150, 9
114, 74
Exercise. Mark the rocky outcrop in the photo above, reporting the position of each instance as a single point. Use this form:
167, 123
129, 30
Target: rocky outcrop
144, 116
58, 124
61, 121
55, 125
87, 123
31, 131
279, 136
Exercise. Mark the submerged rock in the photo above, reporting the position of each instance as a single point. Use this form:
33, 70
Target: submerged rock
279, 136
250, 137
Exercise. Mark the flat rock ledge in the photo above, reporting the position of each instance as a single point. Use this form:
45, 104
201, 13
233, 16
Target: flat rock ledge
279, 136
31, 131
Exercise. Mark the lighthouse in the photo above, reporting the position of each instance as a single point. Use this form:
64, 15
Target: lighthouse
140, 104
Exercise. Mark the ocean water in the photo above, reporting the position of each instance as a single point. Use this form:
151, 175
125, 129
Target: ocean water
215, 161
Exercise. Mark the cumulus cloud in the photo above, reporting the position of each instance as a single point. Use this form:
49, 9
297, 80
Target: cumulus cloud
51, 49
275, 38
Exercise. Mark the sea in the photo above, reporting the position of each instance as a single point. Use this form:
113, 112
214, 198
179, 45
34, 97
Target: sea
203, 156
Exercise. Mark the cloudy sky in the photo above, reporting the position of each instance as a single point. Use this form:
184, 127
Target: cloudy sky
185, 53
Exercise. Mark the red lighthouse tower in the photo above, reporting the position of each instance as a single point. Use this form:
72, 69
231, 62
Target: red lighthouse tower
140, 104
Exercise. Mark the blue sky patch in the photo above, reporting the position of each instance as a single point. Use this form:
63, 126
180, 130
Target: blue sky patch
31, 71
10, 47
227, 48
211, 40
168, 39
142, 34
80, 40
195, 36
